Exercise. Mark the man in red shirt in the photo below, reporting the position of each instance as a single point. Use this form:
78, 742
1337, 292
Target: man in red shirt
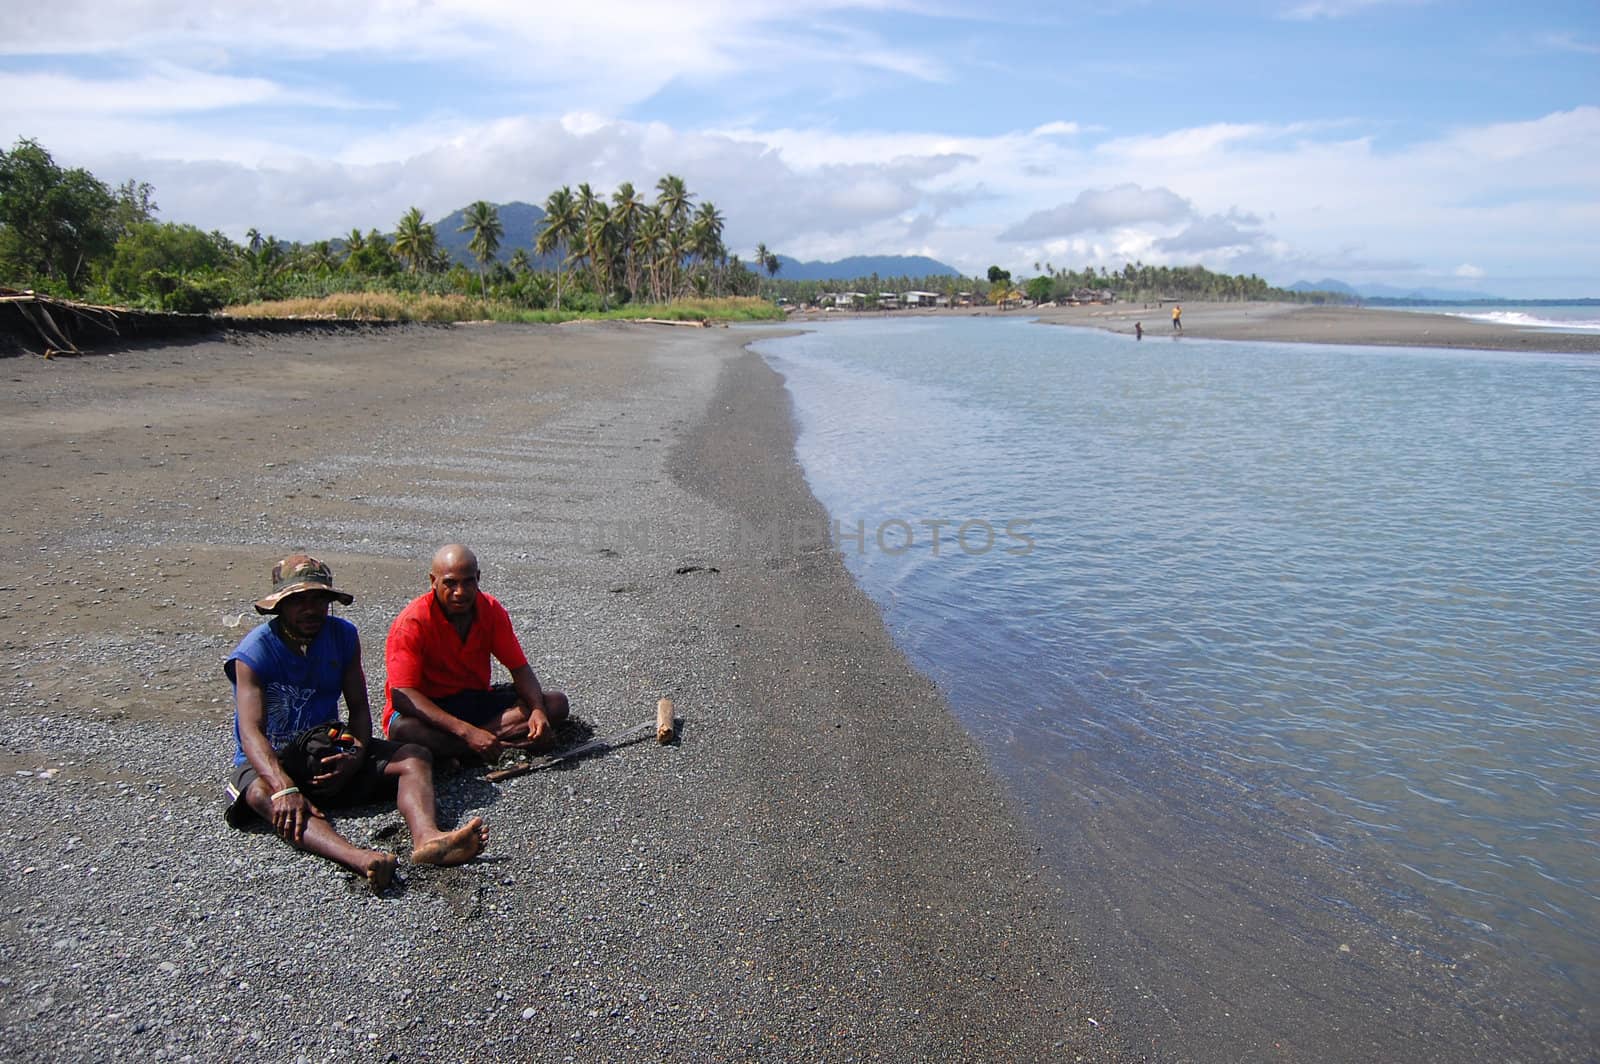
437, 658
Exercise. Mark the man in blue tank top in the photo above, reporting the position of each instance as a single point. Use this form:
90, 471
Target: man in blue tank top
288, 676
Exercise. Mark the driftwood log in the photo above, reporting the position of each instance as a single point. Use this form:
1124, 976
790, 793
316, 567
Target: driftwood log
665, 727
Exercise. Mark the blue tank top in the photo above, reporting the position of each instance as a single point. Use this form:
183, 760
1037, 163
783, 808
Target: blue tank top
300, 690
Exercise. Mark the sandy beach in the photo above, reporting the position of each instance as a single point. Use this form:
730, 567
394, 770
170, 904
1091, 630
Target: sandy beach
797, 878
823, 868
1301, 324
1290, 323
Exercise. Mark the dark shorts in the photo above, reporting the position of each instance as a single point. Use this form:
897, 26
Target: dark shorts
371, 783
480, 708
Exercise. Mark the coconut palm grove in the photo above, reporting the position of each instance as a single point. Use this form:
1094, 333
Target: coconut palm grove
582, 253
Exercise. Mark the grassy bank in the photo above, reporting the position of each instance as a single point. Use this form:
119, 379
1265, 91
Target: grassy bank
390, 306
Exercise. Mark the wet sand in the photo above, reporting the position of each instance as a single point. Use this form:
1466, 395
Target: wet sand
1295, 323
823, 868
1283, 323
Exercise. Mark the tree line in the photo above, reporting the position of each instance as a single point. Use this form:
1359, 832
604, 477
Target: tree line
1135, 282
65, 232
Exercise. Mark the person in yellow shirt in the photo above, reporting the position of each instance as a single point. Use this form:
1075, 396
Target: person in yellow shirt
1177, 318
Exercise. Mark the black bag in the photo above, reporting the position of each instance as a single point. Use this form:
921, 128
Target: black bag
302, 756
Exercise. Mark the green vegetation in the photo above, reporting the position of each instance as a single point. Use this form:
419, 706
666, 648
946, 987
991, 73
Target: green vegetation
66, 233
1135, 282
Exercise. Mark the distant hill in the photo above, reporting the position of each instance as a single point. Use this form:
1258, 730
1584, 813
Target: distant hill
1385, 291
864, 266
519, 220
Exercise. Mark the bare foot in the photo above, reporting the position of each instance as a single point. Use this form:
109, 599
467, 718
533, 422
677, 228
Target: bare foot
453, 847
380, 871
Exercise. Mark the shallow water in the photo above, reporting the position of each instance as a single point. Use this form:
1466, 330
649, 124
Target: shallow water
1345, 596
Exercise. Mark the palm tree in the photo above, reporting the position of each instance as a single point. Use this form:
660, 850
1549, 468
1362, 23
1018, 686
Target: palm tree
600, 246
519, 261
673, 197
672, 200
626, 211
560, 226
484, 223
414, 240
319, 257
767, 260
649, 240
706, 235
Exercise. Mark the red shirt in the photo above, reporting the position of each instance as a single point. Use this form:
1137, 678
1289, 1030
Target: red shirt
425, 653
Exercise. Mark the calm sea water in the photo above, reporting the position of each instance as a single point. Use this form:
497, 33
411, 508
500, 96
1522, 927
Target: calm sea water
1357, 590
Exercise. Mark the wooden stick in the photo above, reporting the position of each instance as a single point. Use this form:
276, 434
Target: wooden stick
622, 738
664, 725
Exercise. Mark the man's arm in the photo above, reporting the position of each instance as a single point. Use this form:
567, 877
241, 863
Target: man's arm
532, 696
355, 699
290, 812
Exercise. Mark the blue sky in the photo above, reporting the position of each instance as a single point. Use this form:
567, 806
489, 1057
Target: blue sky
1403, 142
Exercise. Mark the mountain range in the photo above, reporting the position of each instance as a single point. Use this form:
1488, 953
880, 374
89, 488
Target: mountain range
1385, 291
864, 266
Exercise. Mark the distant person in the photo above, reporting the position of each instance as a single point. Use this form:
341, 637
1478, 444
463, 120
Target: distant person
1177, 318
1138, 330
288, 675
438, 664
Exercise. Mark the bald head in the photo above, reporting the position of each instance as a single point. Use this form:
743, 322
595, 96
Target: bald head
452, 555
454, 580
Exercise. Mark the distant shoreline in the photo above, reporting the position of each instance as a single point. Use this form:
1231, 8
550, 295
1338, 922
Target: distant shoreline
1295, 323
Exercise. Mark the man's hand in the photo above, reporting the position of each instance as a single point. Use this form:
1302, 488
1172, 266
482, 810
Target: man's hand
290, 815
538, 726
340, 765
484, 744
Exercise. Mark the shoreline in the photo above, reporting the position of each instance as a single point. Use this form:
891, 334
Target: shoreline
797, 877
1283, 323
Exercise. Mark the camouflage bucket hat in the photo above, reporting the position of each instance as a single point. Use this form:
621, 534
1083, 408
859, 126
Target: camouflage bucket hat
297, 573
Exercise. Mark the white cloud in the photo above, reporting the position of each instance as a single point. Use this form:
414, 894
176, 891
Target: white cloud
222, 108
163, 89
1315, 9
1568, 42
607, 53
1097, 209
1469, 271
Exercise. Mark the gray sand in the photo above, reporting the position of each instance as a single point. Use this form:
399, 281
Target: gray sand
822, 869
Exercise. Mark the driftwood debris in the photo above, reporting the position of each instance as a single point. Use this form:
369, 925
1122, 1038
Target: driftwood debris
665, 727
40, 313
698, 323
67, 327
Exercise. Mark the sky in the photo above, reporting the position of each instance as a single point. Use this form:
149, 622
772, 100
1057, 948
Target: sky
1401, 142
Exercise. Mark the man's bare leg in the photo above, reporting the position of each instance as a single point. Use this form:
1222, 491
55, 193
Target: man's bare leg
404, 729
513, 726
413, 767
375, 866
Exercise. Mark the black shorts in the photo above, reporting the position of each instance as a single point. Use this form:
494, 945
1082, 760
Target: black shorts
371, 783
480, 708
